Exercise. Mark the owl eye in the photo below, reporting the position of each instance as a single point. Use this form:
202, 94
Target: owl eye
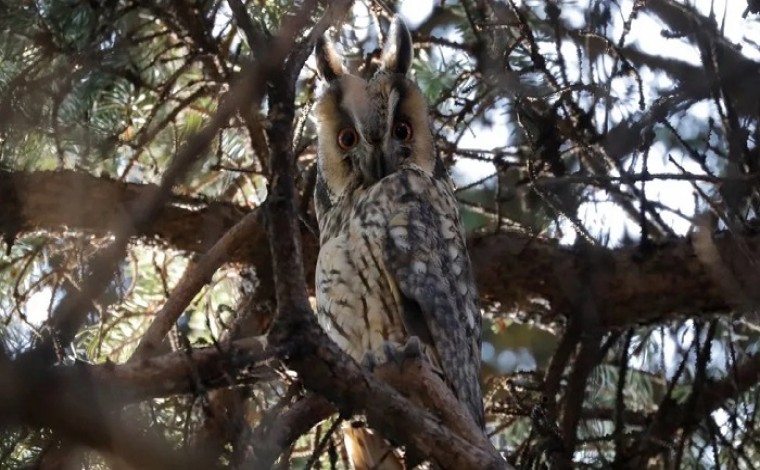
402, 131
347, 138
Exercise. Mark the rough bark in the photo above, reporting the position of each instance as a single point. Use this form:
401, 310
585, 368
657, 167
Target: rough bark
161, 376
82, 401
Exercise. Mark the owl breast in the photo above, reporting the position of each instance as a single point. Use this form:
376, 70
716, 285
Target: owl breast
358, 300
357, 303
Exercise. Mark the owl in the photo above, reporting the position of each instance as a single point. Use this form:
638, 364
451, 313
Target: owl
393, 268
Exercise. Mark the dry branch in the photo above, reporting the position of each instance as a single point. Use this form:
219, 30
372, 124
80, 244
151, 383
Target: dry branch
160, 376
194, 278
685, 417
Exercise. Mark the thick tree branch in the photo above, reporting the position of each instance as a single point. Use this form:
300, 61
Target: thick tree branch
325, 369
81, 402
161, 376
427, 390
513, 269
279, 430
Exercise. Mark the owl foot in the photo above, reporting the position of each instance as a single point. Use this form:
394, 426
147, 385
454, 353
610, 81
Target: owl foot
393, 352
369, 361
412, 349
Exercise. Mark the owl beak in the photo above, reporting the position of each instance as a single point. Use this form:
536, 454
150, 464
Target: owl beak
375, 166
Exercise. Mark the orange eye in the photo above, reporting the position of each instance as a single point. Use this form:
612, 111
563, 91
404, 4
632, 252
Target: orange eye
402, 131
347, 138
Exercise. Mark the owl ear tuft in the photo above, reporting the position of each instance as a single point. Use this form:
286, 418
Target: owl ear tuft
398, 51
329, 62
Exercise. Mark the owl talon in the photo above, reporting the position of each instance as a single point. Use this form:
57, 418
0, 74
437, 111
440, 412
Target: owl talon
369, 361
410, 350
393, 353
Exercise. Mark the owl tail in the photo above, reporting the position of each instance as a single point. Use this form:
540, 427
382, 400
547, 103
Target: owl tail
367, 450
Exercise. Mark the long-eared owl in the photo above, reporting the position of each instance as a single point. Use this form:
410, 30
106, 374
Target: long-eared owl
393, 263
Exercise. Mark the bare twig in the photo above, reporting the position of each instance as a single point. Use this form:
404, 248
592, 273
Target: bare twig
194, 278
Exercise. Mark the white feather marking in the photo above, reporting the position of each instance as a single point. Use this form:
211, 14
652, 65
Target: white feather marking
400, 238
419, 267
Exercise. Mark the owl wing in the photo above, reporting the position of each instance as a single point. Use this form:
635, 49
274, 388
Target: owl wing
426, 256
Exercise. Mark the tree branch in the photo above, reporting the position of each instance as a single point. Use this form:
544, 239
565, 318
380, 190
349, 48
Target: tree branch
688, 415
428, 391
633, 285
160, 376
194, 278
277, 431
81, 401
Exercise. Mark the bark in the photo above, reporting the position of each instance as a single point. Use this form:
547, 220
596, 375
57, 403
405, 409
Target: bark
161, 376
82, 401
631, 285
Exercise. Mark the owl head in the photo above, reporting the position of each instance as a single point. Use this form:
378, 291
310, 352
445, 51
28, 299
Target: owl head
369, 129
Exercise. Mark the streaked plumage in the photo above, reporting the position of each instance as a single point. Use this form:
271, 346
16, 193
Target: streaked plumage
393, 261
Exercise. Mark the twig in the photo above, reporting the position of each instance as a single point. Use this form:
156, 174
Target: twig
194, 278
